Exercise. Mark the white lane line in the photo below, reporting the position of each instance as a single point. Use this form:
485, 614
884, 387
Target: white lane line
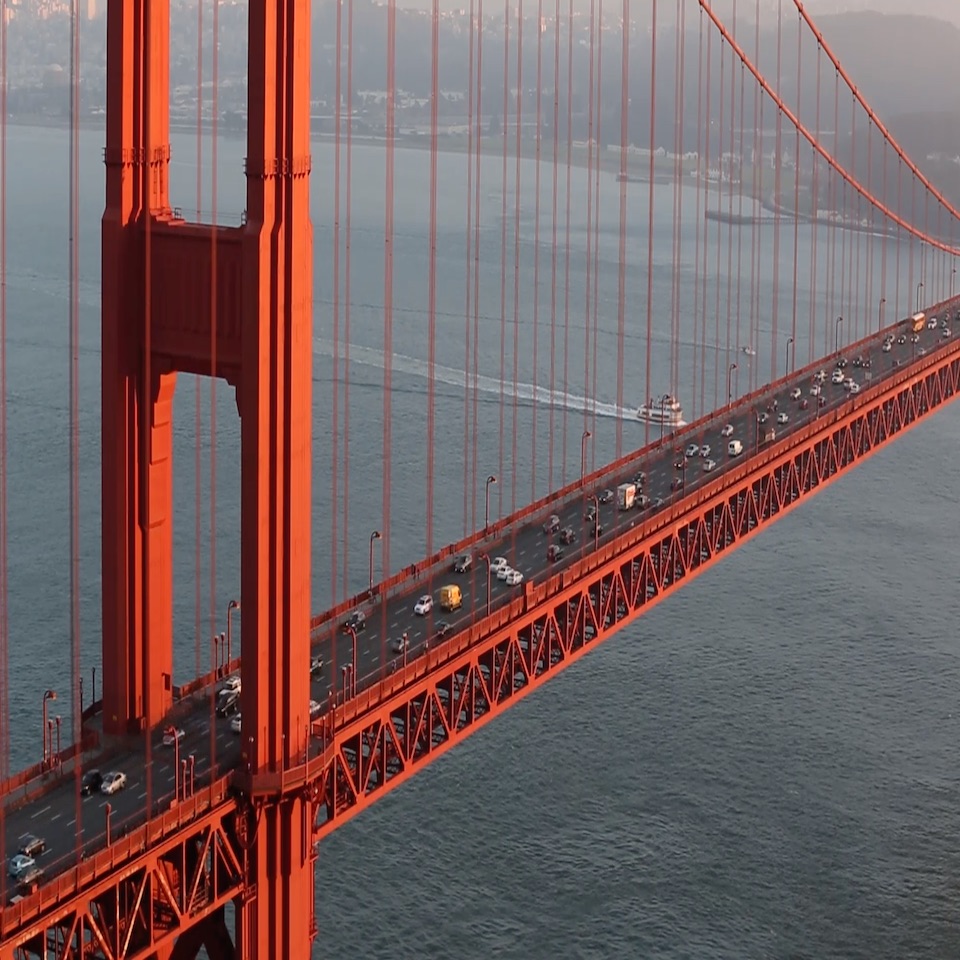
40, 813
140, 796
72, 822
56, 816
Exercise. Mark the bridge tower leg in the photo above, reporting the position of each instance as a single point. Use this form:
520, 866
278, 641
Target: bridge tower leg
276, 424
137, 381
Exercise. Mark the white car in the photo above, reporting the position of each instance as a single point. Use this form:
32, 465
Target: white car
235, 723
932, 323
815, 390
20, 864
114, 781
514, 578
173, 736
504, 572
795, 393
837, 377
499, 563
709, 465
820, 376
401, 644
231, 684
727, 431
692, 450
854, 387
424, 605
705, 450
782, 418
315, 709
886, 348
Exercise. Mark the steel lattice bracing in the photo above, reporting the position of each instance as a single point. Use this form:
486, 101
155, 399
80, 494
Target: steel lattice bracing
158, 892
394, 734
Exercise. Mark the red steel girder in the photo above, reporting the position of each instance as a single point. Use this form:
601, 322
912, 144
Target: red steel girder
165, 900
400, 725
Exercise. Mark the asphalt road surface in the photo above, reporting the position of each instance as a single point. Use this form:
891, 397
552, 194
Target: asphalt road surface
54, 816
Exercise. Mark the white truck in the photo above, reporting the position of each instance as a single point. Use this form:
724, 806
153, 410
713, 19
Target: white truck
626, 494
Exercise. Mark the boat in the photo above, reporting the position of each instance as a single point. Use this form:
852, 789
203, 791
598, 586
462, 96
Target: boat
664, 410
749, 351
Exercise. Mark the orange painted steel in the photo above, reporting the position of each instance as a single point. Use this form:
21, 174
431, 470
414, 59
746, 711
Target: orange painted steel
232, 303
396, 727
158, 890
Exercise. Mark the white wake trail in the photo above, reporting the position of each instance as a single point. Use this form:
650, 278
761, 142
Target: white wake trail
372, 357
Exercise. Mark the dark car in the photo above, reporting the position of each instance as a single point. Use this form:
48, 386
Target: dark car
597, 530
640, 479
554, 553
591, 512
679, 464
567, 535
676, 483
33, 846
463, 563
228, 702
357, 621
91, 782
552, 525
316, 666
442, 628
605, 496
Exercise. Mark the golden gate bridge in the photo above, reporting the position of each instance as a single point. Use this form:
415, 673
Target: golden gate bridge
775, 246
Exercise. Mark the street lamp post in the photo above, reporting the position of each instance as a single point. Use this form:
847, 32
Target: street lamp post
730, 370
663, 403
757, 416
47, 695
216, 653
173, 732
486, 558
584, 437
56, 758
373, 536
953, 275
836, 336
786, 359
919, 288
486, 502
883, 300
231, 606
353, 636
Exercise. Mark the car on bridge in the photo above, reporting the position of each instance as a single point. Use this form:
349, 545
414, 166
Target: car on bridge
554, 553
462, 563
316, 665
356, 622
567, 535
401, 644
91, 782
782, 418
113, 782
605, 496
173, 736
795, 393
441, 628
236, 724
692, 450
727, 431
423, 606
20, 863
33, 846
552, 525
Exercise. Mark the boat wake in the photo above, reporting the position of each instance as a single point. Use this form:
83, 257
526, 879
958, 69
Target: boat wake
523, 392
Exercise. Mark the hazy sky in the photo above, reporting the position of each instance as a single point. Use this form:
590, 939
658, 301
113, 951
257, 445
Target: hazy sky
948, 10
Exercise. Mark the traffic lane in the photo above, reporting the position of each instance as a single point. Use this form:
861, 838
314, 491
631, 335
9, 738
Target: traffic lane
54, 816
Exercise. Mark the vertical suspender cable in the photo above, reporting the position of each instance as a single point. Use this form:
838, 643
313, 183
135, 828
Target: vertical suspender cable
796, 197
777, 200
566, 240
478, 140
388, 302
679, 93
538, 129
815, 229
591, 93
76, 720
432, 278
622, 257
516, 264
721, 126
732, 331
706, 233
650, 198
335, 402
742, 147
553, 239
593, 321
198, 391
347, 296
757, 192
695, 315
214, 250
504, 127
4, 446
467, 309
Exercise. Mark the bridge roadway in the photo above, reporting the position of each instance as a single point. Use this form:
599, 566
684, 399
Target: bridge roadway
53, 816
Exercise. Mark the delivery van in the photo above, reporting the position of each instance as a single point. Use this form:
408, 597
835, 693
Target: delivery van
450, 597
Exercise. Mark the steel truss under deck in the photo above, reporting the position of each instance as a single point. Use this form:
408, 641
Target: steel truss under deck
392, 739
